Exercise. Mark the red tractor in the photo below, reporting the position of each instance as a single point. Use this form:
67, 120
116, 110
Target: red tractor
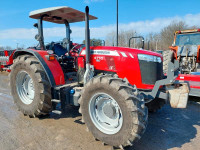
112, 85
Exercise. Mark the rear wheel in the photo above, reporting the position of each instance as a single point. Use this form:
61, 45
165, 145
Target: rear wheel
113, 111
168, 56
30, 87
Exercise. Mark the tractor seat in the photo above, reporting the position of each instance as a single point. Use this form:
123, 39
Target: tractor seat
58, 49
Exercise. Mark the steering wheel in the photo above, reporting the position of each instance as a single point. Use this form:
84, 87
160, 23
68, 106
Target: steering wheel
73, 50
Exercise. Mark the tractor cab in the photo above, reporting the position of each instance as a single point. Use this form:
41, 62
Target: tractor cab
60, 15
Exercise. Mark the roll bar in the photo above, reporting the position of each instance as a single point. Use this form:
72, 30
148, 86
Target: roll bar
136, 37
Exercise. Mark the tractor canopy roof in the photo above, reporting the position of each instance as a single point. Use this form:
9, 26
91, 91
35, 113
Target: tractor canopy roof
60, 14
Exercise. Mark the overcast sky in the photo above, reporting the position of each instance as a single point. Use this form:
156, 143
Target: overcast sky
143, 16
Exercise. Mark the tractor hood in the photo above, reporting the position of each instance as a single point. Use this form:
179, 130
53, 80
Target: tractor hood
141, 67
125, 50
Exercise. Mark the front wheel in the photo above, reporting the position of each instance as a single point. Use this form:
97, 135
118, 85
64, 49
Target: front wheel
105, 113
113, 111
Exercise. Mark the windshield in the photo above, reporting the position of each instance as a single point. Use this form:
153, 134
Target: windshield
187, 39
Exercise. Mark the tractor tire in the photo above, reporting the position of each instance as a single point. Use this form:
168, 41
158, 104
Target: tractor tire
155, 105
30, 87
168, 56
113, 111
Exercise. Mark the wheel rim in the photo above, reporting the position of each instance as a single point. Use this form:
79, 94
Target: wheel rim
25, 87
105, 113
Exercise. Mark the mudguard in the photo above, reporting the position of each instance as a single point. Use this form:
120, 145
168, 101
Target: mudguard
53, 69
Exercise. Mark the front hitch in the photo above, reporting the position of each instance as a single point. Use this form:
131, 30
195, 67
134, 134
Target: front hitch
175, 92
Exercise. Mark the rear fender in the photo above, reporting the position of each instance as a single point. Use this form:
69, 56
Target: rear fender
52, 69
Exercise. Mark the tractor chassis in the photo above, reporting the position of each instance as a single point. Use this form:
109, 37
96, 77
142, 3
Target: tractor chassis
69, 93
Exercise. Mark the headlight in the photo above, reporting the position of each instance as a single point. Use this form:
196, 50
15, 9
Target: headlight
149, 58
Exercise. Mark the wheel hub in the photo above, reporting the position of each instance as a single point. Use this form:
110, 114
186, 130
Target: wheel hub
25, 87
105, 113
109, 110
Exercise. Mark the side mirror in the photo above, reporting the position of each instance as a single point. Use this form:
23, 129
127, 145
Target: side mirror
36, 25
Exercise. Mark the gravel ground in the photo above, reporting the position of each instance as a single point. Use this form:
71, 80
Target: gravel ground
172, 129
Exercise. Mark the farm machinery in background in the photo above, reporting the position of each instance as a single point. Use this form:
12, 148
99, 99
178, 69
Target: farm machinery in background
186, 50
114, 86
6, 59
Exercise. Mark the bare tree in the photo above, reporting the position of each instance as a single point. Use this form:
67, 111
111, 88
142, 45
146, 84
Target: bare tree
111, 39
95, 42
153, 41
1, 48
167, 33
124, 37
5, 48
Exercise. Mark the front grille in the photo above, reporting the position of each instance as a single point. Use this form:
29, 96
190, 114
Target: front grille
150, 71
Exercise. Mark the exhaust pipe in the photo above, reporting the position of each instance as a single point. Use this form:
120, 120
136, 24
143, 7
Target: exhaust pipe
87, 35
89, 69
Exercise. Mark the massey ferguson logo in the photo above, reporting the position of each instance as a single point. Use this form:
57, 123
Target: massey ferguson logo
101, 52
